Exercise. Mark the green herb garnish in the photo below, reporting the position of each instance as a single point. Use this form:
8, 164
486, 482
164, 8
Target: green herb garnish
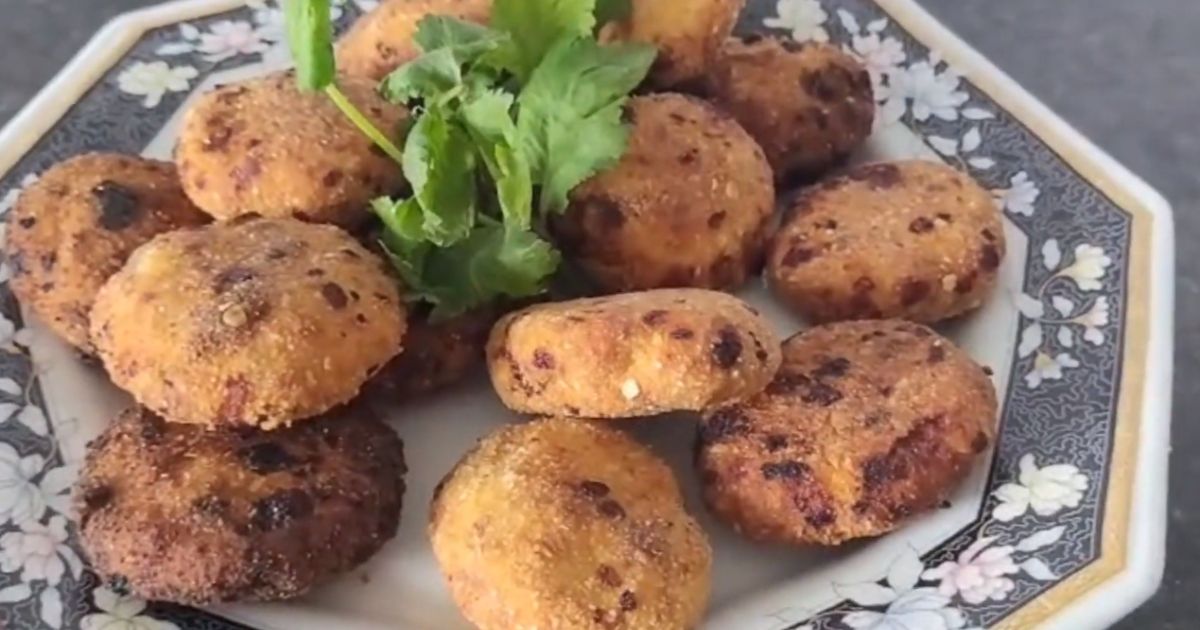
508, 120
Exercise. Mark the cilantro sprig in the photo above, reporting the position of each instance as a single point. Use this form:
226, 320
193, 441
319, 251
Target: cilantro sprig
509, 118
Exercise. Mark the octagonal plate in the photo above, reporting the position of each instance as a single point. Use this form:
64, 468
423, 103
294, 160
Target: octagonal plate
1066, 516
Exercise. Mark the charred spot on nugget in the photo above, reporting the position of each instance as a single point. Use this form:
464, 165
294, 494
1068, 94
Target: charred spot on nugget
563, 522
266, 147
76, 226
915, 240
687, 206
632, 355
808, 107
866, 424
225, 326
184, 514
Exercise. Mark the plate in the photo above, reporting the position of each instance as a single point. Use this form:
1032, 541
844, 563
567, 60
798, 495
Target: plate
1064, 521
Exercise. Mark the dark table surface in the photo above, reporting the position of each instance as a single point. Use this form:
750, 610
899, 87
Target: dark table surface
1121, 71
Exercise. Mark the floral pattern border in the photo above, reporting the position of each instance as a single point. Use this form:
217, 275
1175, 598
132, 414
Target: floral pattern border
1043, 516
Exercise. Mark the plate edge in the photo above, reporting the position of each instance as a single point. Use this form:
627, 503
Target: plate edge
1116, 583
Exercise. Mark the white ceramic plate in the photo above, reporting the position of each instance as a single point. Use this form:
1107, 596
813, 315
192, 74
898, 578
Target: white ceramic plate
1067, 517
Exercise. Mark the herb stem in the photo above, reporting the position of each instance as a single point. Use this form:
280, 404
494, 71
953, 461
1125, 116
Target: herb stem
361, 121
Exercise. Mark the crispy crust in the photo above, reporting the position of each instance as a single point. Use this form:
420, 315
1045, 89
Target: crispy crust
184, 514
264, 147
803, 131
262, 322
382, 40
632, 355
866, 424
688, 205
915, 240
75, 227
564, 524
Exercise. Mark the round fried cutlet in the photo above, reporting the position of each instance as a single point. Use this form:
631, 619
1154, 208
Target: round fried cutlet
382, 40
866, 424
808, 105
632, 355
687, 206
259, 322
915, 240
265, 147
687, 33
568, 525
75, 226
184, 514
436, 354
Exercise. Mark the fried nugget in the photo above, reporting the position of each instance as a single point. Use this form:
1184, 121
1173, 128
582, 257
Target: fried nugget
436, 354
259, 322
265, 147
568, 525
632, 355
382, 40
76, 226
689, 204
687, 33
808, 105
866, 424
916, 240
185, 514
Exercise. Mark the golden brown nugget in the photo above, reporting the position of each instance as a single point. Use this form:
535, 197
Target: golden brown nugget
632, 355
803, 131
184, 514
915, 240
687, 33
74, 227
563, 524
382, 40
689, 204
436, 355
265, 147
866, 424
260, 322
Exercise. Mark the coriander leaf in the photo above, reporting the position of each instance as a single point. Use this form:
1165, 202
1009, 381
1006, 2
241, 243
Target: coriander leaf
493, 261
310, 37
404, 236
439, 162
585, 77
569, 125
428, 77
578, 149
613, 11
534, 26
489, 121
466, 40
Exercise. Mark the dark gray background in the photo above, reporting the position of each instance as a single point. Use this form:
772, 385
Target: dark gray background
1124, 72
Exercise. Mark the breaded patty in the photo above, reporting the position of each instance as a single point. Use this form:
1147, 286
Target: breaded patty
265, 147
436, 354
258, 322
916, 240
382, 40
687, 33
563, 524
688, 205
866, 424
184, 514
632, 355
74, 227
803, 131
